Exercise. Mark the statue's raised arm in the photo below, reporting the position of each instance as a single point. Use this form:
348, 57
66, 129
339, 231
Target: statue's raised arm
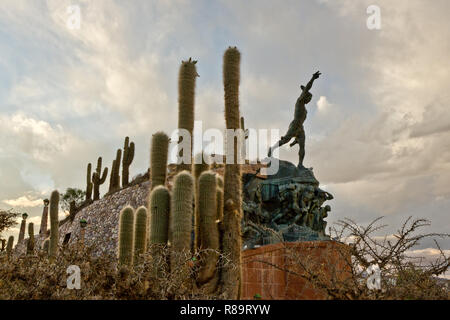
310, 83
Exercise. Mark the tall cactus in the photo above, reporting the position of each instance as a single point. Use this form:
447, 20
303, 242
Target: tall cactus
200, 166
98, 178
159, 215
125, 246
128, 156
88, 183
44, 218
22, 228
158, 158
181, 219
9, 246
208, 226
231, 275
54, 225
30, 243
186, 97
140, 234
114, 183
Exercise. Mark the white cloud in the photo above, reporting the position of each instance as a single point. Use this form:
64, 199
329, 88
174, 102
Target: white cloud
323, 105
24, 202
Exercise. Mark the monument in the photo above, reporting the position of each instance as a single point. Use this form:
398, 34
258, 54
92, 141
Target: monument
289, 205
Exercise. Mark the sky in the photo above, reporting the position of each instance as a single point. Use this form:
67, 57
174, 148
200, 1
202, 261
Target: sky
377, 131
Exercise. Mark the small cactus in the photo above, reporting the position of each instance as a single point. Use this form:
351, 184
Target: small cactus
200, 166
54, 225
114, 183
88, 183
30, 243
9, 246
158, 162
128, 156
181, 220
126, 223
159, 215
140, 234
98, 178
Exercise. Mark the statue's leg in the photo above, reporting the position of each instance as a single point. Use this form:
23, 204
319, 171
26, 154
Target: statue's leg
284, 139
301, 144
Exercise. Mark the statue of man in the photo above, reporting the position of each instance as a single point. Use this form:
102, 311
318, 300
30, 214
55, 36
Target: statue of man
296, 129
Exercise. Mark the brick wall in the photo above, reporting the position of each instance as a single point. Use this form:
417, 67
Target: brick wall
273, 271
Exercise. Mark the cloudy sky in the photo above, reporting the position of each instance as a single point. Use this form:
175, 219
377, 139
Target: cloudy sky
378, 127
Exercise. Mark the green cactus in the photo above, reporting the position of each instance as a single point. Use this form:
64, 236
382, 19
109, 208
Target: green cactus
159, 215
54, 225
114, 182
208, 226
89, 184
158, 161
231, 242
98, 178
125, 251
186, 96
200, 166
9, 246
219, 197
46, 245
30, 243
128, 156
181, 219
140, 234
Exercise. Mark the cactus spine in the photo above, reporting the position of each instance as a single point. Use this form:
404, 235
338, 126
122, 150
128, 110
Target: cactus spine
186, 96
30, 243
181, 220
200, 166
128, 156
140, 234
126, 236
231, 276
158, 158
89, 183
114, 182
54, 225
98, 178
9, 246
159, 215
208, 226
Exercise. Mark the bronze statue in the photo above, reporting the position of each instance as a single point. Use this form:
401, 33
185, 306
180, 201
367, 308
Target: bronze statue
296, 129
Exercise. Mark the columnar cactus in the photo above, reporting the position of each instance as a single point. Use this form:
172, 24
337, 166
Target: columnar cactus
9, 246
54, 225
88, 183
231, 276
126, 225
30, 243
208, 226
22, 228
128, 156
98, 178
186, 96
44, 218
158, 158
140, 234
159, 215
114, 183
200, 166
181, 219
46, 245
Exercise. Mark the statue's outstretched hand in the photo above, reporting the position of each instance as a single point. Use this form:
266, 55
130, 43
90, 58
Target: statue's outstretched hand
316, 75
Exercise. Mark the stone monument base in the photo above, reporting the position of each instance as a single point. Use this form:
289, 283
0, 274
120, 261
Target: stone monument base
273, 272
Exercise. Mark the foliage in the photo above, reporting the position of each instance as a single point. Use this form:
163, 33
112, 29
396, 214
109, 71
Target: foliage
72, 194
7, 219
